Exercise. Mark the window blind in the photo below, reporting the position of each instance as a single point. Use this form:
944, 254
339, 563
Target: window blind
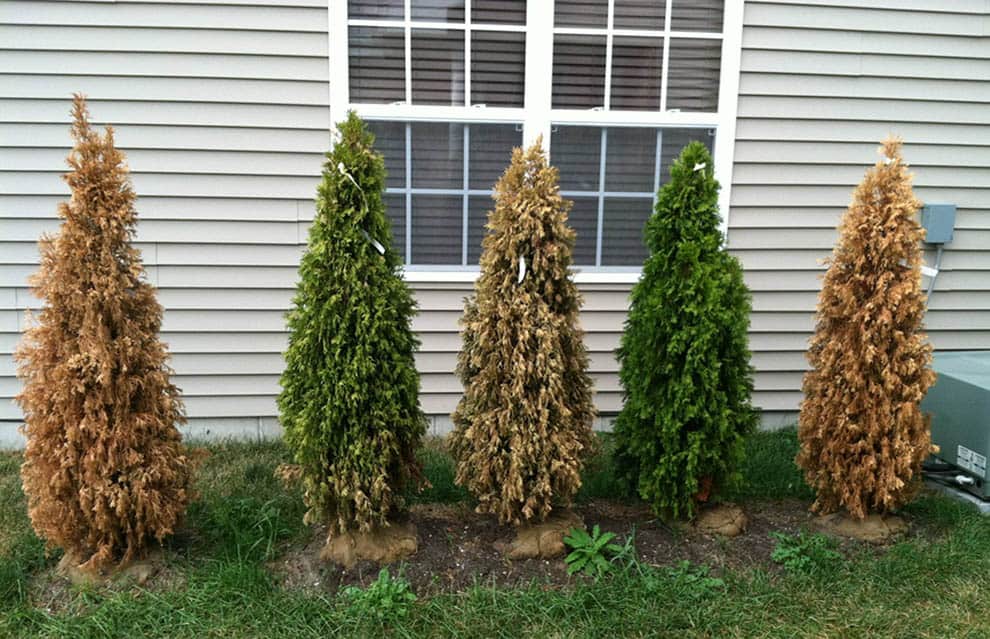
694, 74
578, 71
498, 68
636, 70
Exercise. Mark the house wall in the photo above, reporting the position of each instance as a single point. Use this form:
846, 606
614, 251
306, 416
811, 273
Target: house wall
222, 108
822, 83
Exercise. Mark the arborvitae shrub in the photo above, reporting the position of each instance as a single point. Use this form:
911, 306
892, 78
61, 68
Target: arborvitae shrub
684, 355
349, 404
863, 436
523, 427
104, 469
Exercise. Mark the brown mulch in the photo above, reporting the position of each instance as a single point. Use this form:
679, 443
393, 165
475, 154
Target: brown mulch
457, 548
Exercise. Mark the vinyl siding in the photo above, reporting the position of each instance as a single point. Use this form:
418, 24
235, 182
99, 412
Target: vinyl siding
222, 108
822, 82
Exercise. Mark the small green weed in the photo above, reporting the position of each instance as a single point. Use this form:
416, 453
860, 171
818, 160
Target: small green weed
386, 600
804, 553
693, 581
593, 553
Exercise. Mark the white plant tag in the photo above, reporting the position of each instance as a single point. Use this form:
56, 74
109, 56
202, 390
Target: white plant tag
927, 271
699, 166
343, 171
522, 269
378, 246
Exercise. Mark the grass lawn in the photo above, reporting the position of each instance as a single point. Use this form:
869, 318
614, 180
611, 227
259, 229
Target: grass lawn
217, 580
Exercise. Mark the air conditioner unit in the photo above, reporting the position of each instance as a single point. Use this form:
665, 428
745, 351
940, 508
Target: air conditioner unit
959, 403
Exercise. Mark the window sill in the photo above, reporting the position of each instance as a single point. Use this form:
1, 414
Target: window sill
581, 276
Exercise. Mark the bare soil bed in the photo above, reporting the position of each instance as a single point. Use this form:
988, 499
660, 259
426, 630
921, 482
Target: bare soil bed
458, 548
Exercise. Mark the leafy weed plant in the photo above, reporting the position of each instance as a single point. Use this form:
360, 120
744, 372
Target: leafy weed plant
805, 553
386, 600
593, 553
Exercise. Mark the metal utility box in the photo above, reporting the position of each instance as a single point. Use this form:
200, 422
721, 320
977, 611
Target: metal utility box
959, 403
938, 221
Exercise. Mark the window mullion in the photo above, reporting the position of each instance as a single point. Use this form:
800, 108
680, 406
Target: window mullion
408, 47
609, 36
467, 54
665, 63
539, 72
658, 165
599, 231
408, 190
464, 198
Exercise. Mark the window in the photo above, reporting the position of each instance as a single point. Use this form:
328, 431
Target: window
443, 52
439, 185
612, 175
615, 87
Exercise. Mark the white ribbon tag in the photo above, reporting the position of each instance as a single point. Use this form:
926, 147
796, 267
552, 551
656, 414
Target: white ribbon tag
374, 242
927, 271
343, 171
522, 269
699, 166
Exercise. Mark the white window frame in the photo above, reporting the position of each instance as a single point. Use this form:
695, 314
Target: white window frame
537, 116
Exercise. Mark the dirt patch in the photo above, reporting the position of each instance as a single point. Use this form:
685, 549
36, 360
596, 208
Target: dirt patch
459, 548
727, 520
544, 540
874, 529
55, 590
382, 545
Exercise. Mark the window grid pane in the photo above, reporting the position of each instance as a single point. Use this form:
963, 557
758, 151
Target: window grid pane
438, 207
614, 194
638, 79
605, 171
437, 58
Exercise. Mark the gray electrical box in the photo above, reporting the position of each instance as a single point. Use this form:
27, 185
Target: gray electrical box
959, 404
938, 221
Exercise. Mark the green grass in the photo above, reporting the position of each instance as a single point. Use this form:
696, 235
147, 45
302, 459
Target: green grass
932, 585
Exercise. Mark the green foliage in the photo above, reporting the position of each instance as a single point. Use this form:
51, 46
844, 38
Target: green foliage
684, 355
386, 600
692, 581
768, 470
805, 553
592, 554
349, 402
942, 587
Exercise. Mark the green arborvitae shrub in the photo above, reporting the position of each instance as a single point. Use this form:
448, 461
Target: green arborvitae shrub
350, 391
684, 356
523, 428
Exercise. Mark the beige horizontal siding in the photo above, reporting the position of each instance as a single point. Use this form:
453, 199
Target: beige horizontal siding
822, 83
222, 108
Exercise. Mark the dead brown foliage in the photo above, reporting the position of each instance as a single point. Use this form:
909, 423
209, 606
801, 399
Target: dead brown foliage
105, 470
863, 436
523, 428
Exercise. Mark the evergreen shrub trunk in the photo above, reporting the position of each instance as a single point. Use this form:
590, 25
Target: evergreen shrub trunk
684, 355
349, 404
104, 467
523, 427
863, 436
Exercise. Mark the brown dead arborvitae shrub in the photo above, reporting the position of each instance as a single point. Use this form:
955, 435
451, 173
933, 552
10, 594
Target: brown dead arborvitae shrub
863, 436
523, 427
105, 470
